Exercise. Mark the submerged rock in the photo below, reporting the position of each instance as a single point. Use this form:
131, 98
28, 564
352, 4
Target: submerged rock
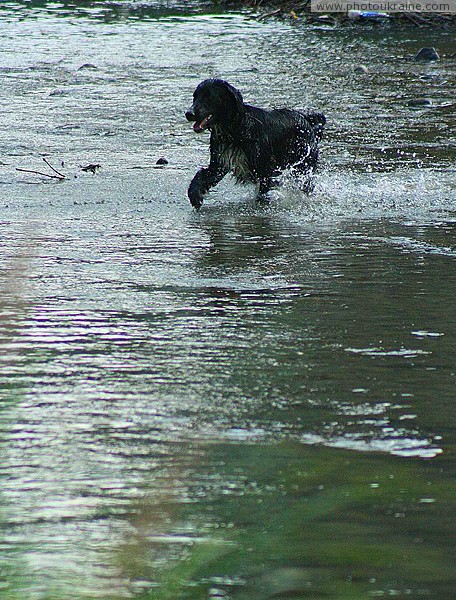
416, 102
427, 54
87, 66
361, 69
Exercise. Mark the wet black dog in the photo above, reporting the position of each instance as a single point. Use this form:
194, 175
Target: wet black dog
252, 143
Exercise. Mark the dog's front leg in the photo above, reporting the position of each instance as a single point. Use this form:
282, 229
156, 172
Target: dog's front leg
265, 185
202, 183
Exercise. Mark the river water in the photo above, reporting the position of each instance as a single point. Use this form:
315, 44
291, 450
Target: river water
246, 402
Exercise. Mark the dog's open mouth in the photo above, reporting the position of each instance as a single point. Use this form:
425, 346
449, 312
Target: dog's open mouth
202, 125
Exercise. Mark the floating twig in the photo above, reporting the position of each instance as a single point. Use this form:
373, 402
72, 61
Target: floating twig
61, 175
267, 15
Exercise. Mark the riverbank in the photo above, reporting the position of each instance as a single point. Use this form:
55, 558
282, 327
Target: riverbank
301, 10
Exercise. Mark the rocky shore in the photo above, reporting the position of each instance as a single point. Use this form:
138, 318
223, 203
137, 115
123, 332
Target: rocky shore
301, 9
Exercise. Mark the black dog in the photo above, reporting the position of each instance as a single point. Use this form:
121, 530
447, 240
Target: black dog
254, 144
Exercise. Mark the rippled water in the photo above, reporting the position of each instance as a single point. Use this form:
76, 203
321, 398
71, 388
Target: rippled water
154, 359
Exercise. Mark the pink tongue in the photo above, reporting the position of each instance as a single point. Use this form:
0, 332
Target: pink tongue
200, 126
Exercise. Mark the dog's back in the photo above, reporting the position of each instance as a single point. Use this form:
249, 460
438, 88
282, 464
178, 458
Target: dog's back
317, 121
280, 138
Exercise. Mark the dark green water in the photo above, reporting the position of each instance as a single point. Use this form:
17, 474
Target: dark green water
247, 402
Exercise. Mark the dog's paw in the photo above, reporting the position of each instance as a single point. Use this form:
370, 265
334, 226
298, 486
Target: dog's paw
195, 196
263, 199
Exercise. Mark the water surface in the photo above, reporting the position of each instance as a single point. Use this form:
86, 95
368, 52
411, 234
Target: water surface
264, 393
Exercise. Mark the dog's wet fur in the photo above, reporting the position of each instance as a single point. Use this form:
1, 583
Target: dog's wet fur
252, 143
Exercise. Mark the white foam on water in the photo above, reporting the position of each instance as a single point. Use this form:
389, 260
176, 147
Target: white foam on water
398, 446
340, 195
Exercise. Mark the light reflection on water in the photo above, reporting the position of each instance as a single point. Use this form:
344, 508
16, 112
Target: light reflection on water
134, 332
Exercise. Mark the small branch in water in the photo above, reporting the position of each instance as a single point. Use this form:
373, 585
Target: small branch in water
57, 175
273, 13
61, 175
91, 167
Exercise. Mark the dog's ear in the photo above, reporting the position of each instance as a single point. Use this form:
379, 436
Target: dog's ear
235, 99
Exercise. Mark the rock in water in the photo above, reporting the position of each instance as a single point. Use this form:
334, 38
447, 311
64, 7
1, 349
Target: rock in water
419, 102
427, 54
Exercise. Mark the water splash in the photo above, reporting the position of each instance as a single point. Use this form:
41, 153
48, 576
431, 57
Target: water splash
343, 194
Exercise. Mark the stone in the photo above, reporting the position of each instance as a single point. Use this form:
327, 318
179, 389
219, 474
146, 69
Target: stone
427, 54
87, 66
419, 102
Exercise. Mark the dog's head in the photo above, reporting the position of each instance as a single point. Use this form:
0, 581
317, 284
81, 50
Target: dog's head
215, 102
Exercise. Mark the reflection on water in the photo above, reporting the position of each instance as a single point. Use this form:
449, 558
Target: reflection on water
299, 523
110, 11
245, 388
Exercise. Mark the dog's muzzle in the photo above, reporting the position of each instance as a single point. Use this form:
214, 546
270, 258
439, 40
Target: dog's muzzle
200, 124
190, 115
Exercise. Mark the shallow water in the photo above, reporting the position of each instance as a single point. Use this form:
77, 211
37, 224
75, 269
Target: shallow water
174, 383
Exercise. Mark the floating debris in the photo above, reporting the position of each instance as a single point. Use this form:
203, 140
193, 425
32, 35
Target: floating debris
93, 168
